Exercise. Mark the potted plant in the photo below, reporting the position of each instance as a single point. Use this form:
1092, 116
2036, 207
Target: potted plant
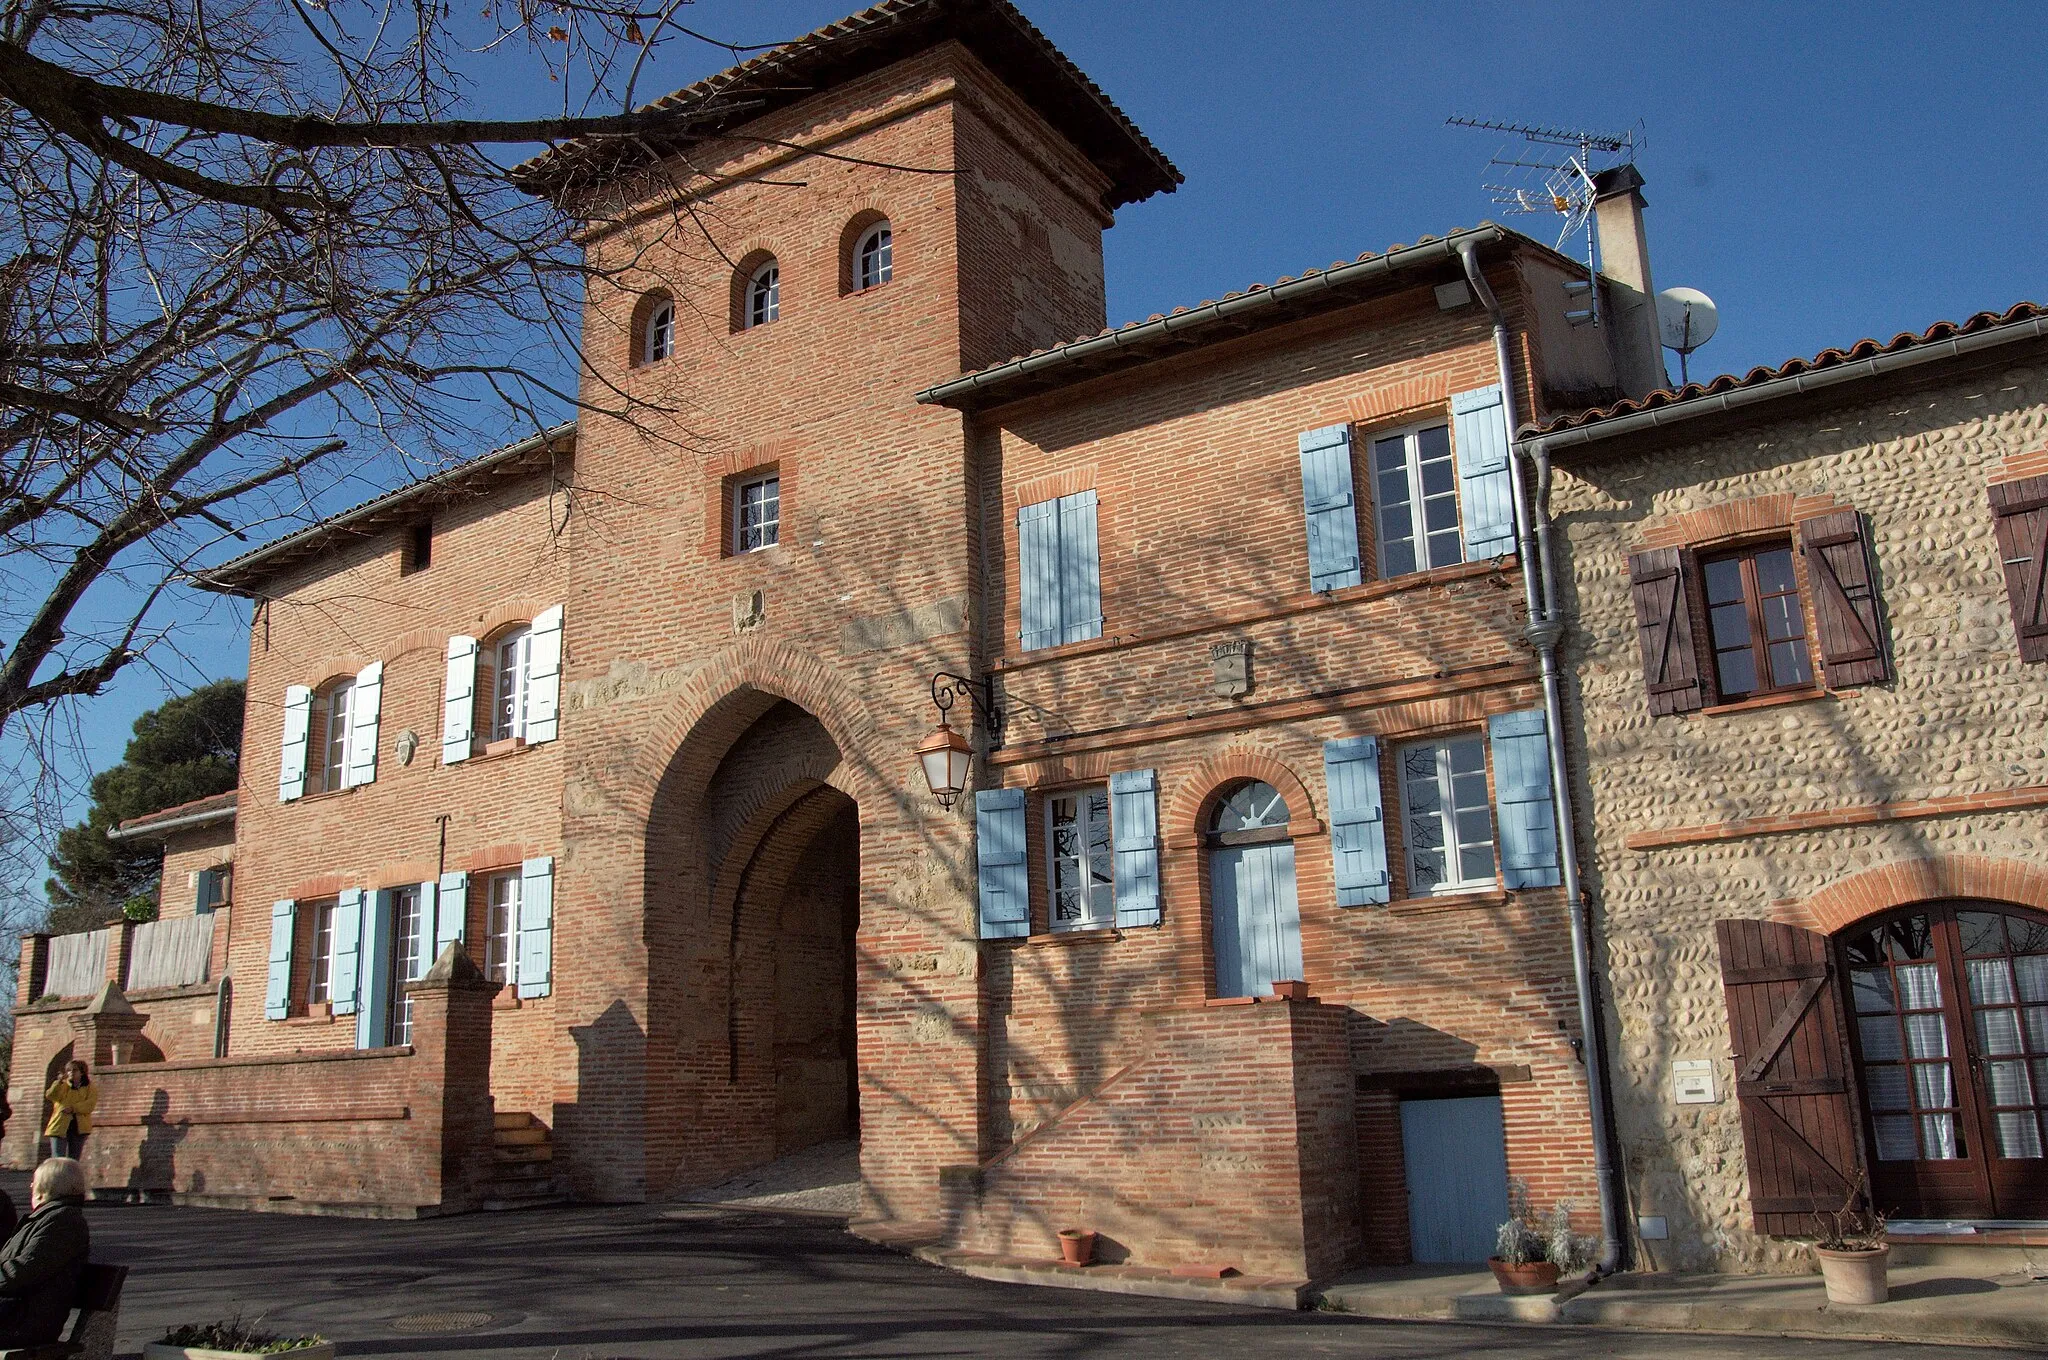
1854, 1254
233, 1338
1077, 1246
1522, 1265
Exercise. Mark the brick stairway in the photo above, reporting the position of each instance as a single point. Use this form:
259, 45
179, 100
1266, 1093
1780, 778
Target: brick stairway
523, 1150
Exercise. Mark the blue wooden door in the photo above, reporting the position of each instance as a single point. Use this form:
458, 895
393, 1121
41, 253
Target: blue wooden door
1257, 919
1457, 1158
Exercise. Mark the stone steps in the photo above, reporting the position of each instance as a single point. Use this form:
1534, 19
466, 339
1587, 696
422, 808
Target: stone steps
523, 1154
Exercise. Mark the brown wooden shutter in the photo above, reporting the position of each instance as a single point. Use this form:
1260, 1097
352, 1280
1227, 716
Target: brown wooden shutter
1845, 602
2019, 513
1671, 664
1800, 1132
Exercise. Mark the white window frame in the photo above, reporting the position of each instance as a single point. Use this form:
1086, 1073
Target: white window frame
1446, 813
511, 685
768, 532
874, 257
1410, 470
1097, 900
502, 895
764, 295
660, 341
338, 704
319, 960
405, 960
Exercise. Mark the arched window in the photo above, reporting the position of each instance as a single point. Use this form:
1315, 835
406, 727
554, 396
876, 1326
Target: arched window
764, 295
1255, 917
874, 257
659, 337
333, 706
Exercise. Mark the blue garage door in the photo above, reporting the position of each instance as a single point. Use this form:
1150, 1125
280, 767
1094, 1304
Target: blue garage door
1456, 1152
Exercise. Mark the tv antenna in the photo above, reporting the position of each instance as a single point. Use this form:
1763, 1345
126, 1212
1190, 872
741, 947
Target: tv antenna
1552, 170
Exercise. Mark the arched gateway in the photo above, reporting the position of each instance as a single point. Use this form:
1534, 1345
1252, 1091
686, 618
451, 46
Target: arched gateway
753, 874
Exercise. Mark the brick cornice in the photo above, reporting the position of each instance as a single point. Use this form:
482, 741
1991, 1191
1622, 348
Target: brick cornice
1857, 814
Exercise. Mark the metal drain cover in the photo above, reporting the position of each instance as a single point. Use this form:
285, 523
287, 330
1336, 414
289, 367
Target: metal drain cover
441, 1322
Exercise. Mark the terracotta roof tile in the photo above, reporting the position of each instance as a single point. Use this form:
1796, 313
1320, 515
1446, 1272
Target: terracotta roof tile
217, 802
1828, 358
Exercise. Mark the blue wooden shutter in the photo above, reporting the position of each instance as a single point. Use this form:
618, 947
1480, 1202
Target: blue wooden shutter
1038, 574
536, 926
451, 919
373, 1016
277, 992
544, 677
1486, 500
1358, 820
999, 851
1521, 788
1080, 569
1134, 828
298, 725
458, 700
430, 927
1331, 505
365, 705
346, 975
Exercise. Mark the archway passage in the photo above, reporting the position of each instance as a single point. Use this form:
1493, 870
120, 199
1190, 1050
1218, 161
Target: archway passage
1948, 1005
813, 1055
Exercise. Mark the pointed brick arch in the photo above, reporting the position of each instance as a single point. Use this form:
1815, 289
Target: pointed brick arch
719, 702
1198, 793
1921, 880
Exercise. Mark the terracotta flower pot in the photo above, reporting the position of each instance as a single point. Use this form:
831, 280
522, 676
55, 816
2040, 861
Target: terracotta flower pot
1077, 1246
1855, 1276
1530, 1277
157, 1350
1291, 990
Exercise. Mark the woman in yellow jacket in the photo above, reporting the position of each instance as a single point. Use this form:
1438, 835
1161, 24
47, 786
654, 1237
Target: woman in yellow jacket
72, 1098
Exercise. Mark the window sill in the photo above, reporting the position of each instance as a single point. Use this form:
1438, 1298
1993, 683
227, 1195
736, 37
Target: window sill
1458, 901
1796, 696
1079, 935
329, 793
497, 750
318, 1013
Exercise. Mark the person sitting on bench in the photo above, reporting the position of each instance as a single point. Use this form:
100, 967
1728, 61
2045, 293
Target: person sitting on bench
40, 1264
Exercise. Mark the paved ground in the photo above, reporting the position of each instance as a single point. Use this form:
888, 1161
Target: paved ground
594, 1283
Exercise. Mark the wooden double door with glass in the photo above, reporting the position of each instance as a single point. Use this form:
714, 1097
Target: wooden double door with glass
1907, 1056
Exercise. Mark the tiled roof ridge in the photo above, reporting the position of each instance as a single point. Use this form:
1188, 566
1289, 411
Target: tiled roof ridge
211, 802
1867, 348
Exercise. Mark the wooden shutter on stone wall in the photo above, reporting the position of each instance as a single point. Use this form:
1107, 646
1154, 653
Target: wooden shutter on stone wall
1845, 602
1657, 578
1800, 1133
2019, 512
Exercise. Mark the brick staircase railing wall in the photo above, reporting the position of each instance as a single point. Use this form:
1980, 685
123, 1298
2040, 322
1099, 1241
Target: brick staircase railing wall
1229, 1141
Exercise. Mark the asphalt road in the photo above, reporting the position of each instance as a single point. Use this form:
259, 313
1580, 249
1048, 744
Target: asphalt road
607, 1283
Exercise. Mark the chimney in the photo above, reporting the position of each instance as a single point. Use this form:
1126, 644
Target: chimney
1631, 297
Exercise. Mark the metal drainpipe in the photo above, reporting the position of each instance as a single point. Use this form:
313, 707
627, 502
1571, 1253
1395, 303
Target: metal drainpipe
1545, 628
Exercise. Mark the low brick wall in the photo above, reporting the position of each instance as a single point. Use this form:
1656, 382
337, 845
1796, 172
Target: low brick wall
397, 1131
1228, 1142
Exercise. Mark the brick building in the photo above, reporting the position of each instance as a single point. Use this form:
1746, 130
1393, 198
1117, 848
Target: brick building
1808, 635
587, 769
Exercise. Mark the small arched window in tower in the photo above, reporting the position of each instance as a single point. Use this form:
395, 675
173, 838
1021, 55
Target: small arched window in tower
874, 258
764, 295
660, 339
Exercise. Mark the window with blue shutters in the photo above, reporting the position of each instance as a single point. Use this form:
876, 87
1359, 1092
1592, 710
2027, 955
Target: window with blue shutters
1003, 880
1415, 500
1079, 859
1358, 821
1059, 572
1485, 488
1522, 792
1331, 508
1445, 823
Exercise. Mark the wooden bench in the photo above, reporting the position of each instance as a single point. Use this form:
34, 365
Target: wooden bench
97, 1313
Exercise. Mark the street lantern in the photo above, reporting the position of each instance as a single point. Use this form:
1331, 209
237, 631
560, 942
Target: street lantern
945, 754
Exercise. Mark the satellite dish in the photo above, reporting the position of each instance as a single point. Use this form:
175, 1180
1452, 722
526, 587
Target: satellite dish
1686, 319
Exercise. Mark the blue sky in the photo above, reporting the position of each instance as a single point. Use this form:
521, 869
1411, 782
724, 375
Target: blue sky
1824, 172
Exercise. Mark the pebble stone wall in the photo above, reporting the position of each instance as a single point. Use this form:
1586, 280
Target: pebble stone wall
1962, 718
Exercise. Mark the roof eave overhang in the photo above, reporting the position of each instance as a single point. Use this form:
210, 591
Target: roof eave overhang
1696, 412
156, 831
246, 574
1163, 337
